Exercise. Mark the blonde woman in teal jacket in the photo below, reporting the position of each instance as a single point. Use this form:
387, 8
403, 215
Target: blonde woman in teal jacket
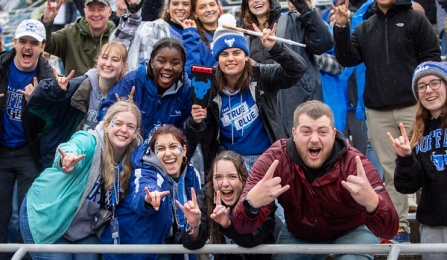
63, 201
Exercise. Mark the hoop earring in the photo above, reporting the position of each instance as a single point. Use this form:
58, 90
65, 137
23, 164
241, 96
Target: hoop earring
184, 160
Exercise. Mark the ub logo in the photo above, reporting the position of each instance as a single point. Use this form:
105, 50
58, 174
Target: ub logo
201, 88
31, 27
229, 42
439, 160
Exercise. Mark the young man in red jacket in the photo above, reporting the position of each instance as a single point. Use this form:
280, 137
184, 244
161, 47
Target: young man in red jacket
329, 191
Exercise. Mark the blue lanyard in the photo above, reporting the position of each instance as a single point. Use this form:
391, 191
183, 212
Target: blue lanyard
116, 188
179, 195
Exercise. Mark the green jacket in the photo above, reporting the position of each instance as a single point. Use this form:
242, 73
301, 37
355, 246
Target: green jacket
76, 45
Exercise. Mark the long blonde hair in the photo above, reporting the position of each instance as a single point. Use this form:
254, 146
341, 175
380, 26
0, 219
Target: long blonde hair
107, 162
120, 49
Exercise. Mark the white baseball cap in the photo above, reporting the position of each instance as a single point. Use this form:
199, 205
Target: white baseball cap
31, 27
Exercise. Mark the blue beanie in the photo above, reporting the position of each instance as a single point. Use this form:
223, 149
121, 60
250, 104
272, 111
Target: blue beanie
225, 38
428, 68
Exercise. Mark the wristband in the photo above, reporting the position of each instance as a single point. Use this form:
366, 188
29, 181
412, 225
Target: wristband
190, 230
249, 207
340, 26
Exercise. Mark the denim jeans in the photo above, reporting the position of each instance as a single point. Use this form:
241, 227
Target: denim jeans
359, 235
15, 165
28, 239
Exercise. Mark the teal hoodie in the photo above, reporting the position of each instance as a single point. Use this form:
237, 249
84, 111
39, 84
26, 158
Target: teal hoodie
55, 197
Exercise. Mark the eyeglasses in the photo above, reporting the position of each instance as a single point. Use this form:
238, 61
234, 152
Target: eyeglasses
434, 84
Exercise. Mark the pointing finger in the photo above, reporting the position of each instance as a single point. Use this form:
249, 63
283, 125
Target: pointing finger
35, 81
360, 169
194, 197
403, 132
218, 201
77, 159
70, 75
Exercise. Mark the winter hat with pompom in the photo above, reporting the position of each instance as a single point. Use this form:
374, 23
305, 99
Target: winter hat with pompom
227, 38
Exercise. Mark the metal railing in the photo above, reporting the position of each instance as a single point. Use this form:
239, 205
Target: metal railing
392, 250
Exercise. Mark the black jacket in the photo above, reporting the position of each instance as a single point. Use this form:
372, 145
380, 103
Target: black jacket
267, 80
32, 125
265, 234
426, 168
391, 45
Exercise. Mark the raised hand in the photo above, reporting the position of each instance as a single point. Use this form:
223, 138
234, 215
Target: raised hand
69, 160
266, 42
63, 81
154, 198
187, 23
133, 6
300, 5
129, 97
191, 209
341, 13
29, 89
221, 214
51, 10
267, 189
198, 113
360, 188
401, 144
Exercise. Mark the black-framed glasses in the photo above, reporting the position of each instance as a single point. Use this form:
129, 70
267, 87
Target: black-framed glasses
434, 84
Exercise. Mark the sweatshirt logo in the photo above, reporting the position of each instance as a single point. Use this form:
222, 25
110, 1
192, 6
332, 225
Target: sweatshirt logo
400, 24
229, 42
439, 160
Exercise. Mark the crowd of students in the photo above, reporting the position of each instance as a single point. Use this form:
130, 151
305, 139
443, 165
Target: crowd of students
104, 155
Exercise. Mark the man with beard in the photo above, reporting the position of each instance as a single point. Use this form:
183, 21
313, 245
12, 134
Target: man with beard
330, 192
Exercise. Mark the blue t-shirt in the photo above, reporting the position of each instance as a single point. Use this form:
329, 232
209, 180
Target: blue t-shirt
241, 127
12, 129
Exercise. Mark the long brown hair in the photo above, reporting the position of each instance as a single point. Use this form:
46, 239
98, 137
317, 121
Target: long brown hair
107, 161
165, 15
422, 117
200, 28
243, 83
241, 168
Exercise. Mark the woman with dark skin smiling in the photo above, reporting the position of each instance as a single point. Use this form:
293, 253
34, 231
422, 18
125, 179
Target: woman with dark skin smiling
162, 90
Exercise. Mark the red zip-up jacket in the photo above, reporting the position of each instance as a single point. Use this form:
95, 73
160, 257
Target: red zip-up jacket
323, 209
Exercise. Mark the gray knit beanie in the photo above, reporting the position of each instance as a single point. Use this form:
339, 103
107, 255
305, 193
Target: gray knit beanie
428, 68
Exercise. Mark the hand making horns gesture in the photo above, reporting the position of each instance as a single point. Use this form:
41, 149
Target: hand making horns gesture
221, 214
51, 10
29, 89
191, 209
266, 42
341, 13
267, 189
401, 144
154, 198
69, 160
63, 81
129, 97
360, 188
